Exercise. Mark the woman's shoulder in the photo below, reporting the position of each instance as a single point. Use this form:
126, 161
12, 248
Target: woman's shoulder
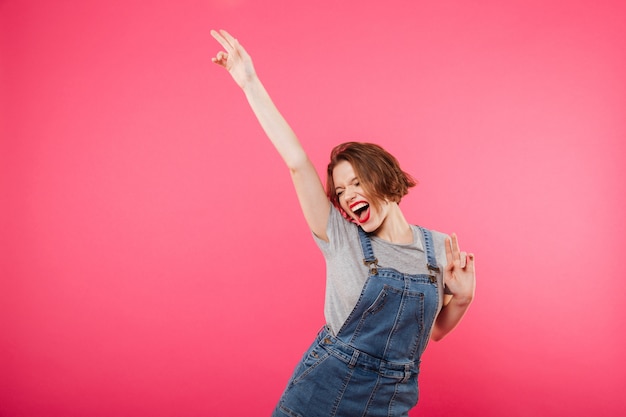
434, 233
340, 231
439, 235
439, 241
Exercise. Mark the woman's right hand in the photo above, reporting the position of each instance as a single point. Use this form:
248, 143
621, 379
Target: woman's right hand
235, 59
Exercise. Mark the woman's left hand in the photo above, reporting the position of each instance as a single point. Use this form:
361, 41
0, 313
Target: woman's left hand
459, 275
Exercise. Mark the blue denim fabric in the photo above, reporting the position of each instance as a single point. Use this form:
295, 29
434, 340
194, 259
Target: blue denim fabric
370, 368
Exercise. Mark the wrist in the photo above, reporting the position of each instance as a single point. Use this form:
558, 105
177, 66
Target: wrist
251, 83
462, 300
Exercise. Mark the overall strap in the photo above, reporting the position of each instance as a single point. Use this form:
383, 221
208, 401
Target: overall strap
430, 250
368, 253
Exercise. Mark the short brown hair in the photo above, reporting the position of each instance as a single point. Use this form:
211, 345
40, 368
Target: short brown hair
378, 171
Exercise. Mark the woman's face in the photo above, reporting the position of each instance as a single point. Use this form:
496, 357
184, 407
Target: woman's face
354, 200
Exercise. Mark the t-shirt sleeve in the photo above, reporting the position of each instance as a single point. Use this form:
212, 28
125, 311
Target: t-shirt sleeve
337, 231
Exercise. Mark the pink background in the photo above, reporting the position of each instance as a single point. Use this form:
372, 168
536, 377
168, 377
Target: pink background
153, 258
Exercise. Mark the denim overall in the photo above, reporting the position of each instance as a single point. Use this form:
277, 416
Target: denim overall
370, 368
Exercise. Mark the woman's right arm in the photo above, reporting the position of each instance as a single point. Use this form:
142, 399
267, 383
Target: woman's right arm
313, 200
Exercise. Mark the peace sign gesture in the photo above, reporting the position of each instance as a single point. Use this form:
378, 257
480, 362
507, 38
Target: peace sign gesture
235, 59
459, 274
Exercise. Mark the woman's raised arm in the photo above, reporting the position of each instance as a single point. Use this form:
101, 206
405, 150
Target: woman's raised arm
313, 200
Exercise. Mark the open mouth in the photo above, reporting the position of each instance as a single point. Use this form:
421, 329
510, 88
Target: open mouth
361, 210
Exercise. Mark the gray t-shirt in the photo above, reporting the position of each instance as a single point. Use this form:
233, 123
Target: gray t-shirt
346, 274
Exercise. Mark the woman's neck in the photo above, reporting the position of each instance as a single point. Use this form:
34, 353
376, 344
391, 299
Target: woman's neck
395, 228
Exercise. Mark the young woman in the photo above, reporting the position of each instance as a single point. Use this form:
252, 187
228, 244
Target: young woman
385, 284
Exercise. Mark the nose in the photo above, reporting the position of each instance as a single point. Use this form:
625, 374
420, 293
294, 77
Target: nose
350, 193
